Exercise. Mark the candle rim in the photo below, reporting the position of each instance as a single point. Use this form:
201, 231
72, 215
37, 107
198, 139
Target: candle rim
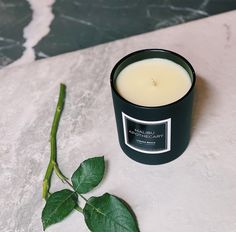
117, 65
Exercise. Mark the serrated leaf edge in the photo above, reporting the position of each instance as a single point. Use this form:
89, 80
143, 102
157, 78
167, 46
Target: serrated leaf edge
81, 165
105, 215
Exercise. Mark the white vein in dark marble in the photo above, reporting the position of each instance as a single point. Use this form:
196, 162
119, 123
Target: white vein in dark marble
36, 29
85, 22
185, 13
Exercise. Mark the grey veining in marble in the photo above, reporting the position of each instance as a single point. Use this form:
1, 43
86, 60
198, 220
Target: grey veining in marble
196, 192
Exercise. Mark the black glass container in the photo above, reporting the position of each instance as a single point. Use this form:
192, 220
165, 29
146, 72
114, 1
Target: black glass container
153, 135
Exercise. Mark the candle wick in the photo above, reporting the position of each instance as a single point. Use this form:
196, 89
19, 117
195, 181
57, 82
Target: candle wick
154, 82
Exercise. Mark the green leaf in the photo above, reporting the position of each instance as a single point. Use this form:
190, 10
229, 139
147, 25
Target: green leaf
109, 214
88, 175
58, 206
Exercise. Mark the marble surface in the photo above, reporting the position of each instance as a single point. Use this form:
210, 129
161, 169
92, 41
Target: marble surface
196, 192
33, 29
15, 15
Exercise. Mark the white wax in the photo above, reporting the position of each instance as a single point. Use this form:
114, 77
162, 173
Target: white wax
153, 82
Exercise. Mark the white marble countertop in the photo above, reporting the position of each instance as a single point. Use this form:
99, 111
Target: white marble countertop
196, 192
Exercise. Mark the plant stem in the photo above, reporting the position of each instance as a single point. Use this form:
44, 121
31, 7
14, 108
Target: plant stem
52, 165
79, 209
85, 199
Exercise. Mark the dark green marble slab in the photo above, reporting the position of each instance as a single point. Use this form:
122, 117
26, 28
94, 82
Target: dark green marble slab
14, 16
83, 23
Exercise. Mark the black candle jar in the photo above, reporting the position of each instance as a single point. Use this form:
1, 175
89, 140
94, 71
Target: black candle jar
153, 135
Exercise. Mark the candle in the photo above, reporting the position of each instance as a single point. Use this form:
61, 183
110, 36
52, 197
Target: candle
152, 93
153, 82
